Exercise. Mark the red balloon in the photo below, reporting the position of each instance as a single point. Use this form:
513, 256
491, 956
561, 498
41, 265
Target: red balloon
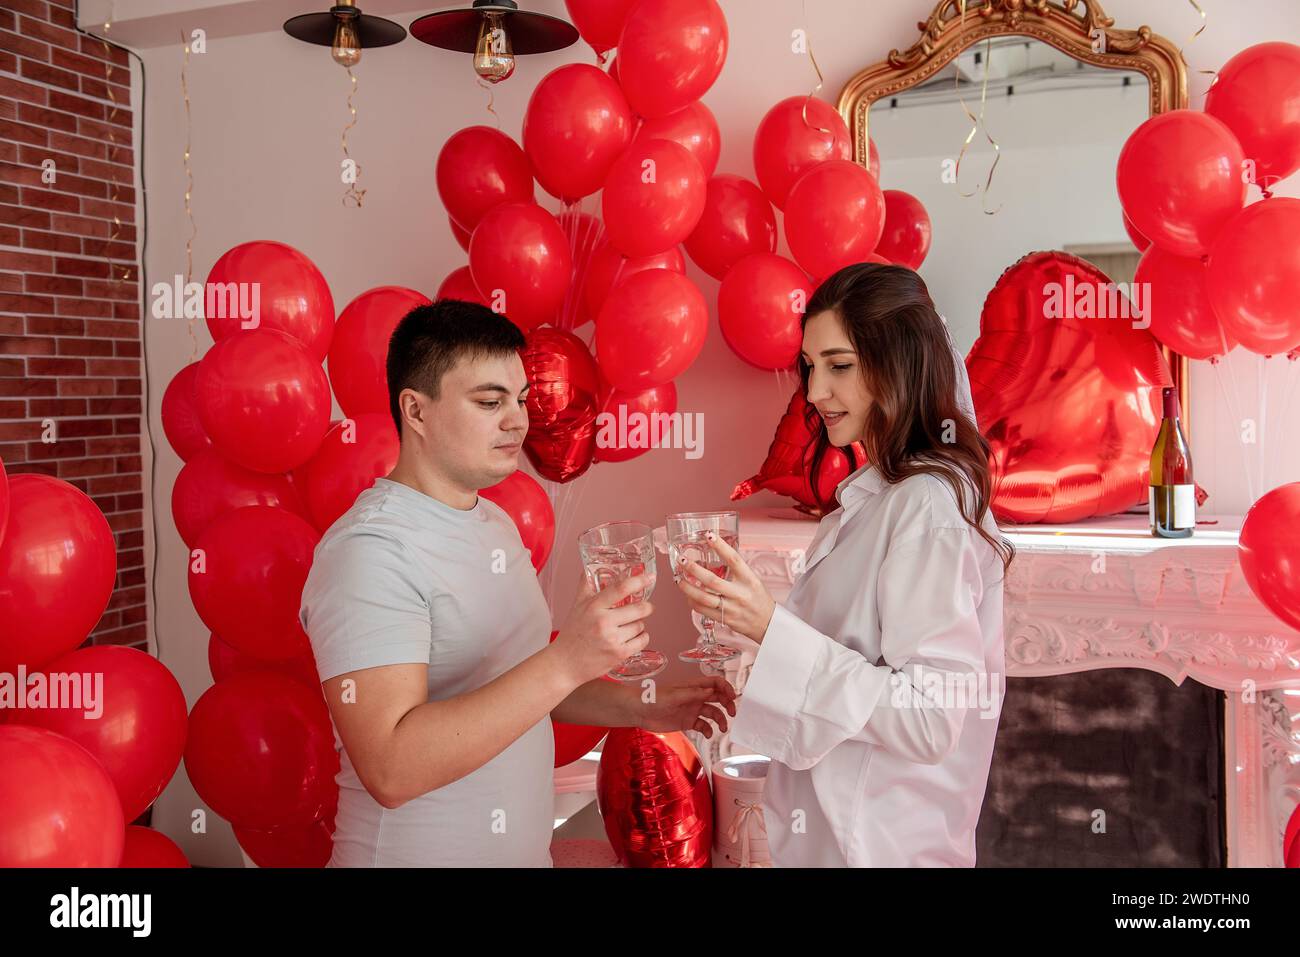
461, 235
787, 144
180, 415
1069, 399
654, 197
834, 217
653, 795
572, 741
1257, 94
1270, 553
1180, 180
247, 585
577, 123
208, 486
1253, 276
355, 453
1289, 836
135, 728
599, 22
526, 502
293, 296
620, 413
261, 751
873, 158
760, 303
651, 329
145, 847
478, 169
669, 54
58, 562
608, 268
459, 284
564, 449
560, 370
1178, 306
57, 806
4, 500
519, 258
310, 845
906, 237
737, 220
1140, 241
359, 353
788, 467
694, 127
225, 660
264, 401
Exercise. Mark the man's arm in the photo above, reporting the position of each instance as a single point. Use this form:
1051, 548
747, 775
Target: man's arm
403, 745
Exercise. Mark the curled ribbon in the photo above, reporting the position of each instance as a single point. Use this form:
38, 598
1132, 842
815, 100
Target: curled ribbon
747, 810
820, 78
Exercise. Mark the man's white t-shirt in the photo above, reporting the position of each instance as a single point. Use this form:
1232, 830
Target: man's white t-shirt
405, 578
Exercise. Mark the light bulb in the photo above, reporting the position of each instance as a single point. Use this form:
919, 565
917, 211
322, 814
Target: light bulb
346, 49
494, 60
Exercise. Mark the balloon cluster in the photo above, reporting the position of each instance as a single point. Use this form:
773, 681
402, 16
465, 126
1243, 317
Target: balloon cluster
266, 473
88, 738
1221, 273
639, 135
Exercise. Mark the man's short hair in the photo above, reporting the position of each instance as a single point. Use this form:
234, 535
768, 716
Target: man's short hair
431, 339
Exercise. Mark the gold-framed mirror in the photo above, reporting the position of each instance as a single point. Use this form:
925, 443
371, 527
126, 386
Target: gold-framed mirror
1053, 185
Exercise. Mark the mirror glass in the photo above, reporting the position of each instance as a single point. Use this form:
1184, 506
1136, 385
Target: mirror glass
1059, 124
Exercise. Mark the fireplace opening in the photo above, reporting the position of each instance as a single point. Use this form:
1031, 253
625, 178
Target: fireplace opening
1116, 767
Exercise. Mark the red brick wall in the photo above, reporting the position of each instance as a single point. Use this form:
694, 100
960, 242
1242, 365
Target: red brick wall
70, 327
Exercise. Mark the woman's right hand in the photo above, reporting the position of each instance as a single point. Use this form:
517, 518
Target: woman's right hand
597, 636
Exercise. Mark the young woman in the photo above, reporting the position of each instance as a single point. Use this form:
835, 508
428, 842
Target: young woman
878, 683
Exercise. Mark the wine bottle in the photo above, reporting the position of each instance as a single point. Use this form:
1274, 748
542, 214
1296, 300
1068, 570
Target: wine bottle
1172, 500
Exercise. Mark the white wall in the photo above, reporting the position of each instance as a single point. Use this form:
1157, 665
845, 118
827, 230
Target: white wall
267, 114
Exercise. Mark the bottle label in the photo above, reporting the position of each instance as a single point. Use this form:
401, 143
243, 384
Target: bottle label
1182, 498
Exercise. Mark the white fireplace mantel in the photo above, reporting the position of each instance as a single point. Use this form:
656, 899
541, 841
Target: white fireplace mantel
1105, 593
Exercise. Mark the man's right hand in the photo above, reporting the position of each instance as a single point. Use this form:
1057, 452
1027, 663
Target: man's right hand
597, 636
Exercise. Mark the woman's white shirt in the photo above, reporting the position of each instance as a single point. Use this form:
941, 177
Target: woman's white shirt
878, 684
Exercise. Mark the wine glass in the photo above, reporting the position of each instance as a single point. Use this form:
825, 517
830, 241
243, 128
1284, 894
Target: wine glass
686, 538
610, 553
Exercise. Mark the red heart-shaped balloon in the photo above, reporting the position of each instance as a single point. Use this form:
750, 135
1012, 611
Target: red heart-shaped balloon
1067, 387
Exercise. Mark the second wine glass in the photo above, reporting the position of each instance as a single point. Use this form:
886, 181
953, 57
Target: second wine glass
686, 533
614, 551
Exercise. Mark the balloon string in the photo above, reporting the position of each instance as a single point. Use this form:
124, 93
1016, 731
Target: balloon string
807, 42
1214, 73
112, 150
956, 85
1229, 400
491, 100
997, 150
1288, 393
352, 193
189, 192
1261, 392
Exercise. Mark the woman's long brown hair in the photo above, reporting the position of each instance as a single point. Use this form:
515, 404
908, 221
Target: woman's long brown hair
914, 424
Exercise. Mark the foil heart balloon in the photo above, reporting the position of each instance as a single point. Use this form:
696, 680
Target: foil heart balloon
787, 469
560, 371
565, 448
653, 795
1067, 389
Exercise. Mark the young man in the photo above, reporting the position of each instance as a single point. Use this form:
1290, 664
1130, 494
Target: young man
431, 632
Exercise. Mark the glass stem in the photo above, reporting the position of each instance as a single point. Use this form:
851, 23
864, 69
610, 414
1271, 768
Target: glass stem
707, 640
